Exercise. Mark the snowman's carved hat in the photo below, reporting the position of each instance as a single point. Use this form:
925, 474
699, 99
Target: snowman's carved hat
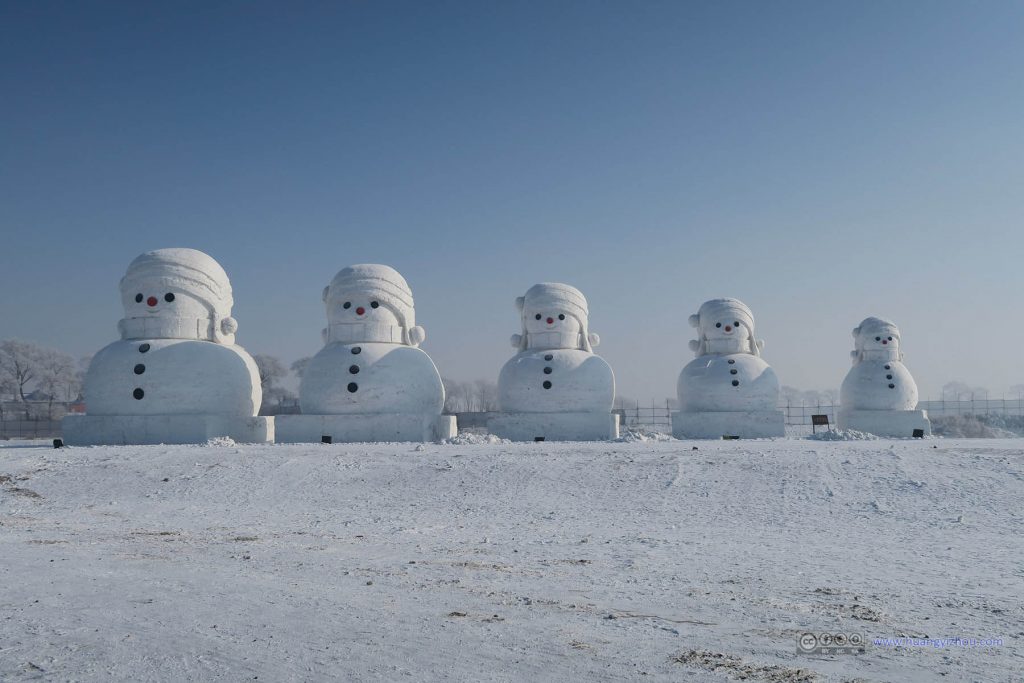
555, 296
717, 310
192, 272
381, 283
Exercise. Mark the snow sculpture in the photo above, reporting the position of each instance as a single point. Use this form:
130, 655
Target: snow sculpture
176, 376
370, 382
878, 395
727, 390
555, 387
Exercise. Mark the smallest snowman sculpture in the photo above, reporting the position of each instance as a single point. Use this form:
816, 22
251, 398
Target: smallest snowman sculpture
370, 382
555, 388
878, 395
727, 390
176, 376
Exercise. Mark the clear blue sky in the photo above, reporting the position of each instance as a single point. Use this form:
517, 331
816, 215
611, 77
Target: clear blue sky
821, 161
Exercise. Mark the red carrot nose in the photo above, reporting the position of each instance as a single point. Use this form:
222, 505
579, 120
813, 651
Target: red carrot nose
151, 301
728, 328
550, 320
360, 310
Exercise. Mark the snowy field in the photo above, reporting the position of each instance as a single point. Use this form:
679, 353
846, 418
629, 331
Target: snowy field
498, 562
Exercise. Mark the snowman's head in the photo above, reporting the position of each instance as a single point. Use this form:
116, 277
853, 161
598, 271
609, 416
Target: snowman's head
876, 339
724, 326
369, 302
554, 316
178, 294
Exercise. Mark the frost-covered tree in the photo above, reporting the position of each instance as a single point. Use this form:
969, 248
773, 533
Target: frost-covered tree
299, 366
20, 364
955, 391
57, 377
790, 395
271, 370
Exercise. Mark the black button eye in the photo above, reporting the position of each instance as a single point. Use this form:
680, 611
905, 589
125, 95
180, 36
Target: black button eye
561, 316
878, 339
347, 304
736, 324
537, 317
374, 304
890, 338
168, 297
138, 298
718, 324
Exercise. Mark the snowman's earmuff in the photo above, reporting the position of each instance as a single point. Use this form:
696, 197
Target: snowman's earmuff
520, 303
694, 321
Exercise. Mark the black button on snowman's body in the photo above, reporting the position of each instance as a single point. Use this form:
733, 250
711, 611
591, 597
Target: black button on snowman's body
555, 370
177, 354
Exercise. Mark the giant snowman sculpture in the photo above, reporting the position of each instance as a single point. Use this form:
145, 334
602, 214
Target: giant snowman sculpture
556, 388
370, 382
727, 390
878, 395
176, 376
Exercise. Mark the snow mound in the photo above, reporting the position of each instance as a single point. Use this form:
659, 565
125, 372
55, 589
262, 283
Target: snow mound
978, 426
473, 439
642, 435
221, 441
842, 435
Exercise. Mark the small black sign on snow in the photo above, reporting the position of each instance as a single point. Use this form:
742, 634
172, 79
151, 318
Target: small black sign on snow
326, 439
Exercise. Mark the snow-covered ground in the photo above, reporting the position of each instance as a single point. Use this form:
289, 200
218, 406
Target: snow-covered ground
645, 560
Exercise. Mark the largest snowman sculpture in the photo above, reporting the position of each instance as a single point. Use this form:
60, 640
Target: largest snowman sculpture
176, 375
370, 382
878, 395
727, 390
555, 388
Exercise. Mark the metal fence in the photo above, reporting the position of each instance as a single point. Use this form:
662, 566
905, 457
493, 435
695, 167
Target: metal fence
29, 429
659, 418
654, 418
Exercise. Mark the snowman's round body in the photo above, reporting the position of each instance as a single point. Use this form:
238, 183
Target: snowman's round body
879, 385
172, 377
556, 381
371, 378
727, 383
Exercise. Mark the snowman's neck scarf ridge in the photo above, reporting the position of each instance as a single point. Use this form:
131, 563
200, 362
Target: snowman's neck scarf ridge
163, 327
347, 333
553, 340
882, 354
729, 346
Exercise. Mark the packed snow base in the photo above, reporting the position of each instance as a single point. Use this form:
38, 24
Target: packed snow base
496, 561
